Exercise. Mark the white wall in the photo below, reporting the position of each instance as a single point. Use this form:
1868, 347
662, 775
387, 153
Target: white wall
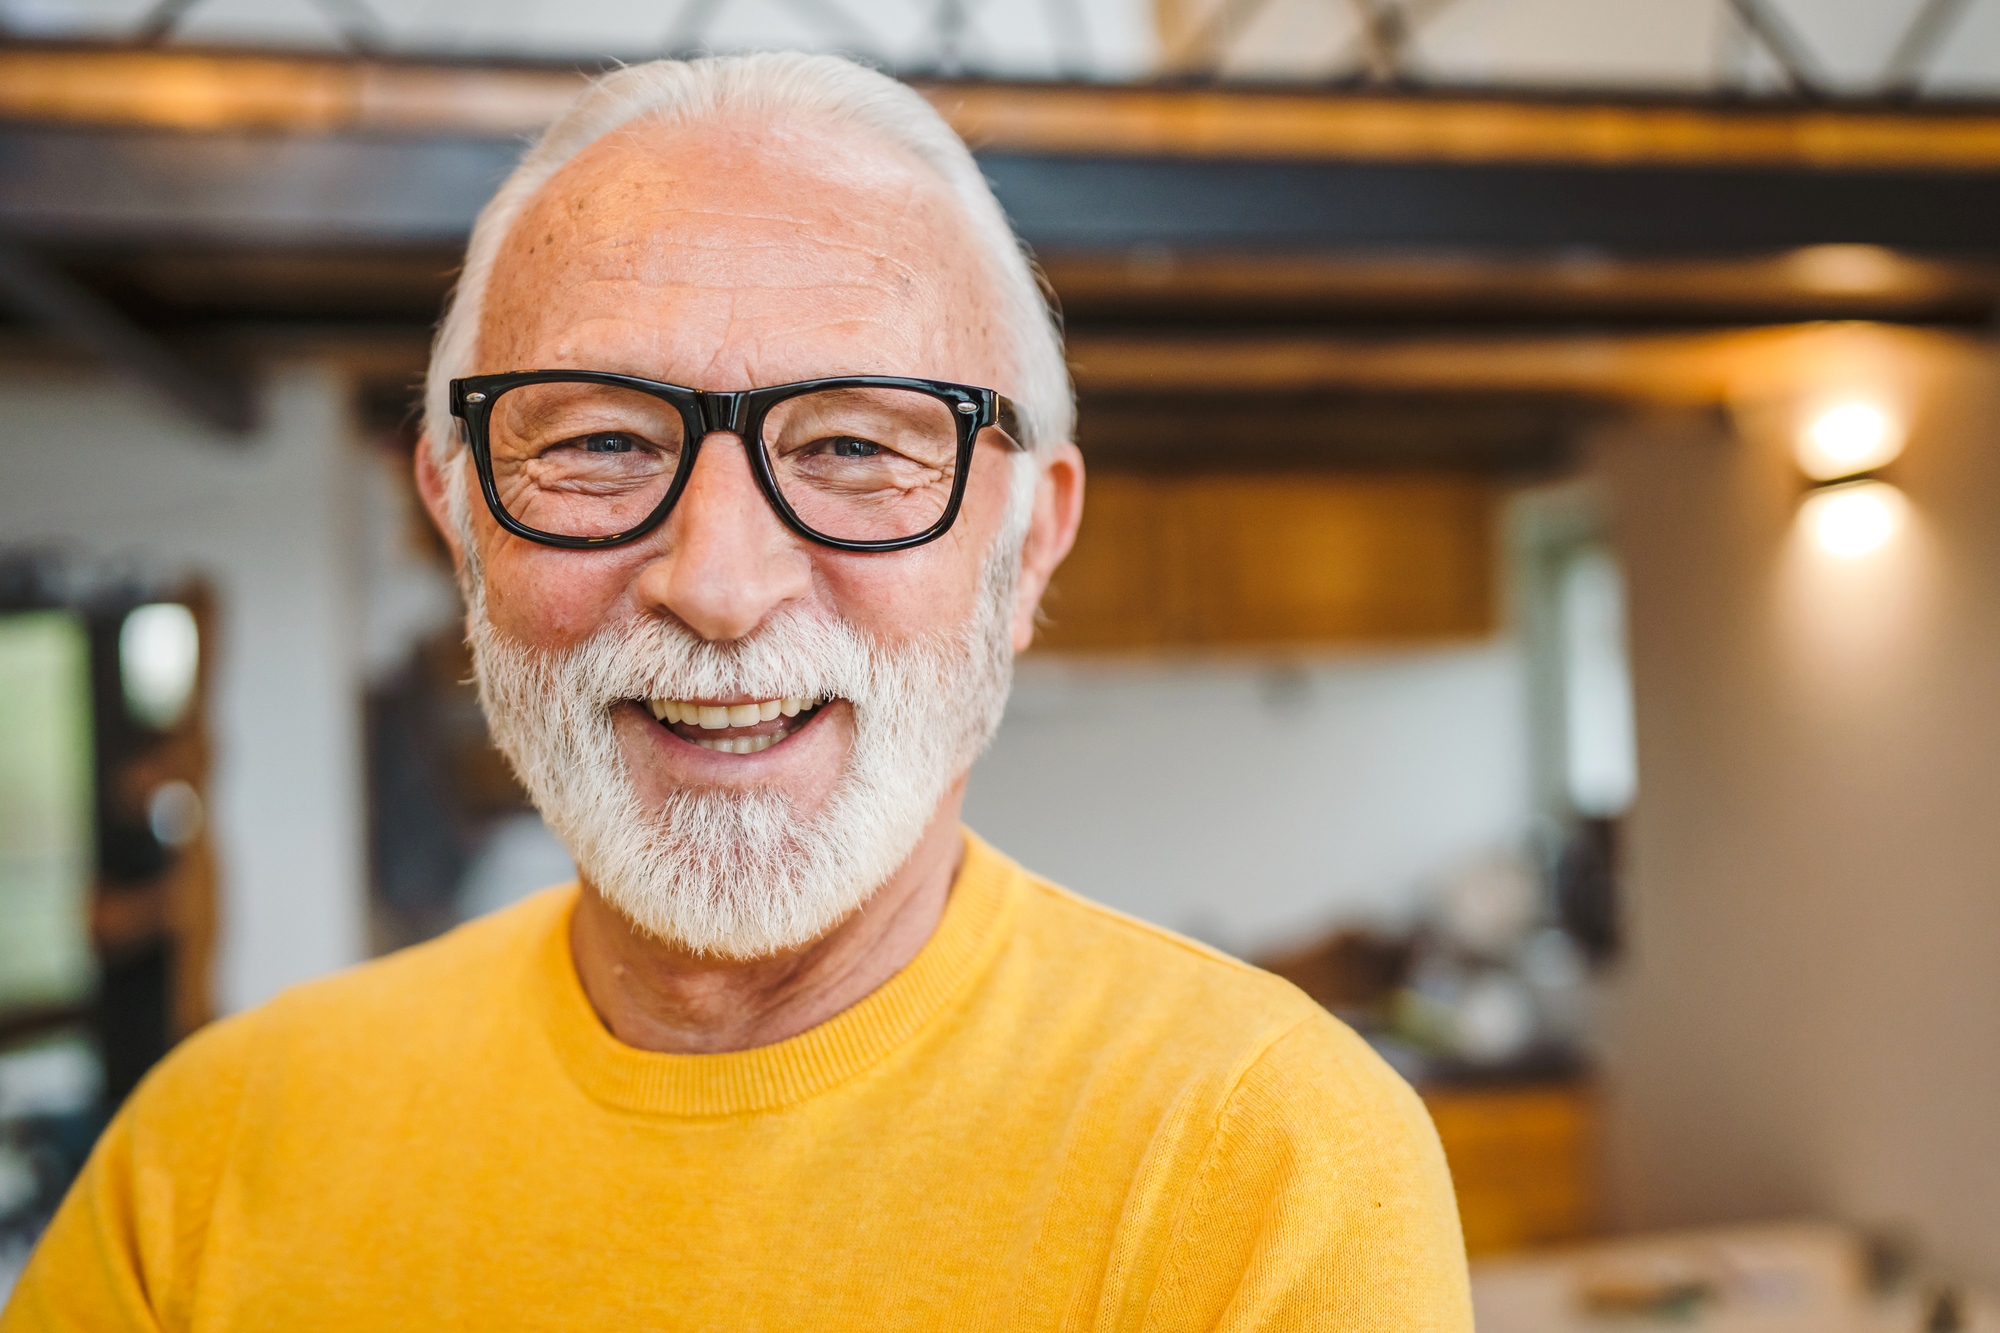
89, 464
1255, 804
1809, 1019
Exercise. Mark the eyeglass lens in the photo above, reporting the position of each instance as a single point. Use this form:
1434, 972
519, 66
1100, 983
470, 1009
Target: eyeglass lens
592, 460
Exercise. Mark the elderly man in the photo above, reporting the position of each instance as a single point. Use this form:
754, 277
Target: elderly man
749, 430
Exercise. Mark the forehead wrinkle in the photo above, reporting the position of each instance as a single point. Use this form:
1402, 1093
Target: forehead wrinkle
802, 221
741, 350
886, 204
663, 241
872, 222
753, 263
868, 249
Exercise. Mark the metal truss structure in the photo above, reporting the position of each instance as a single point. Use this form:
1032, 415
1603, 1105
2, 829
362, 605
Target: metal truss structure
1763, 46
1384, 47
830, 24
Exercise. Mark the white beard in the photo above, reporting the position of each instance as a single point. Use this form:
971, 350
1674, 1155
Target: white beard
740, 873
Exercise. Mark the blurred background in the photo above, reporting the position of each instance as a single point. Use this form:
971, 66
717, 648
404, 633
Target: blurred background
1540, 588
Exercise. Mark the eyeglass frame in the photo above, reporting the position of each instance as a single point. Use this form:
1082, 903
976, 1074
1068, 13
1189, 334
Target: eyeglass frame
738, 412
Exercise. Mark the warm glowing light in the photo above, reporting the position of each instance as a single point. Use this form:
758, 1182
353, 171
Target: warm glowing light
1851, 270
1847, 437
1852, 520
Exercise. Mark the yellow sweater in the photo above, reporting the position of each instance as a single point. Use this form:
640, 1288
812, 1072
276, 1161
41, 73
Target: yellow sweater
1054, 1118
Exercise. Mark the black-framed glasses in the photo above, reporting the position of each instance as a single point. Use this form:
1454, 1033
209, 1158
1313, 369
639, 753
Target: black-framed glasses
583, 458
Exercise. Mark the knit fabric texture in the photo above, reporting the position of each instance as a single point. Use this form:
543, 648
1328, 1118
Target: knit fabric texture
1054, 1118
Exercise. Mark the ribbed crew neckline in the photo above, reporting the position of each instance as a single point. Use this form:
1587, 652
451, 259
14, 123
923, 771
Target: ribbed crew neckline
976, 920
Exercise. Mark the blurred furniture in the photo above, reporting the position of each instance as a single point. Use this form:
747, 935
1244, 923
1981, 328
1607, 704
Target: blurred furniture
150, 911
1523, 1161
1245, 559
437, 788
1521, 1138
1800, 1277
107, 877
1353, 972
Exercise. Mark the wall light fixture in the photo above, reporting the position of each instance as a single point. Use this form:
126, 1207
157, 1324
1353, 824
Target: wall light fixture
1848, 436
1851, 519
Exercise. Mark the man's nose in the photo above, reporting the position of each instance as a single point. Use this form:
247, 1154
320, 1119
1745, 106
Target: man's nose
727, 561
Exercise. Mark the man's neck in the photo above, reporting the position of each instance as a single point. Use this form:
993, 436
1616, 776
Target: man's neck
658, 997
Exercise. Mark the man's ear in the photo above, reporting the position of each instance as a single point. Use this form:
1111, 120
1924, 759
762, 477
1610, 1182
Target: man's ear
1051, 532
433, 486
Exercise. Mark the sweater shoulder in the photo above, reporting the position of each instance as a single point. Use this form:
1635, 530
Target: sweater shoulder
1125, 990
1152, 966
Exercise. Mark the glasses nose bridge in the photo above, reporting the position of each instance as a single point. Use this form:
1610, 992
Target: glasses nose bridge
722, 410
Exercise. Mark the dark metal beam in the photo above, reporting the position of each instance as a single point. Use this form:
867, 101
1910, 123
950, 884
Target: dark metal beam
44, 294
1106, 203
359, 27
75, 186
130, 189
1777, 36
1384, 34
1911, 59
1207, 45
1356, 59
1491, 432
159, 22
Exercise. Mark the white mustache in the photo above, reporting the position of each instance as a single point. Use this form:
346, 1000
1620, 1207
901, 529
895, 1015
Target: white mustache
796, 654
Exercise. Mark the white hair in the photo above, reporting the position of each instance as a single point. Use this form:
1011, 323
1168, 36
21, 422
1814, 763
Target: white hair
744, 873
823, 90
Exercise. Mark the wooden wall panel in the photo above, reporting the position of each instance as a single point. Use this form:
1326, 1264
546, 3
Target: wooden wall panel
1523, 1162
1119, 588
1275, 560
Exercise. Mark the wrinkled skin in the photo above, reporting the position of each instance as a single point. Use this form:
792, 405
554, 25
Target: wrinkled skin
724, 257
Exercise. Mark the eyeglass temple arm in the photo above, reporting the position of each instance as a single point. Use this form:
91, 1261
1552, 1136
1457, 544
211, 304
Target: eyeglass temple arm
1007, 420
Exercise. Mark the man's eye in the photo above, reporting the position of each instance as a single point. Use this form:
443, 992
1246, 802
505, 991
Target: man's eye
607, 442
847, 446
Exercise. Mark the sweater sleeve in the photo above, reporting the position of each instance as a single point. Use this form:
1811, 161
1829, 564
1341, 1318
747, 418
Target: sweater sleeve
1322, 1203
123, 1248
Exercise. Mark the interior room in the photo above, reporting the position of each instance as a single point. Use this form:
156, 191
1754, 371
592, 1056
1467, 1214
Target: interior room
1538, 589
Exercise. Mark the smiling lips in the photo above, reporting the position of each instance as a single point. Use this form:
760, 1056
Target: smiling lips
744, 728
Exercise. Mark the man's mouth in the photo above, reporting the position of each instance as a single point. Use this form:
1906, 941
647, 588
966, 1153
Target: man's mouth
735, 728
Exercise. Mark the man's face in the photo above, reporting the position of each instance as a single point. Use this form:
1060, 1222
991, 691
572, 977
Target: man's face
725, 257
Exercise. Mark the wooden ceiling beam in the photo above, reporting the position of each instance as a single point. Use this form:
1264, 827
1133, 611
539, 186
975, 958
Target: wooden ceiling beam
313, 94
1702, 369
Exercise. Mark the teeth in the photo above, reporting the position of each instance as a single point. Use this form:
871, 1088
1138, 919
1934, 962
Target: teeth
741, 744
714, 717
